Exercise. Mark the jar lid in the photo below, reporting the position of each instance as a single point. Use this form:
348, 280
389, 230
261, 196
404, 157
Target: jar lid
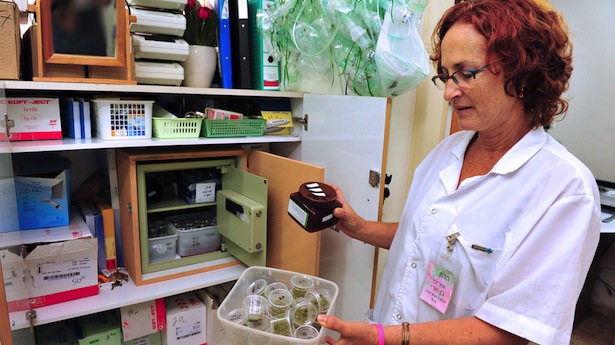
317, 195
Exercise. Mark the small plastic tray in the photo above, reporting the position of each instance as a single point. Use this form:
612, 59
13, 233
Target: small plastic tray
241, 335
197, 233
162, 241
234, 128
177, 128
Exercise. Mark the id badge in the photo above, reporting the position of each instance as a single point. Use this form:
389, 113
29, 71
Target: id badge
440, 279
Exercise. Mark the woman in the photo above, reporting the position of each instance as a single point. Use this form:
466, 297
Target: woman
501, 222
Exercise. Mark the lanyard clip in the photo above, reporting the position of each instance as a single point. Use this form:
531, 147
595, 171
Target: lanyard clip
451, 239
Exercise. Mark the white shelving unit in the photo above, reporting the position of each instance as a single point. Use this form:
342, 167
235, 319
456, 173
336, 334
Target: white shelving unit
346, 138
129, 293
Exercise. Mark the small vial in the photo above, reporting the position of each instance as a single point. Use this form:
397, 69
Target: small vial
257, 287
256, 307
303, 312
280, 301
238, 316
321, 298
300, 285
282, 326
306, 332
275, 286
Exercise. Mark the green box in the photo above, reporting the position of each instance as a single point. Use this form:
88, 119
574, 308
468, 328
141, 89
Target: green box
99, 329
152, 339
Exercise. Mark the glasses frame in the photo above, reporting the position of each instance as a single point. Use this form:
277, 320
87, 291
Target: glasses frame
444, 77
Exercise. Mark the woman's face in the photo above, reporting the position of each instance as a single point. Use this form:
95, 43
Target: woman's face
483, 105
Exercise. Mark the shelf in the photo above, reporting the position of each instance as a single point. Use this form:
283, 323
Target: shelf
127, 294
143, 89
95, 143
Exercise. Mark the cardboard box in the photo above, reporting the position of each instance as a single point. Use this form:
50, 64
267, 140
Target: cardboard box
278, 122
99, 328
186, 324
143, 319
214, 330
62, 271
14, 273
14, 266
10, 40
31, 118
152, 339
42, 191
221, 114
56, 333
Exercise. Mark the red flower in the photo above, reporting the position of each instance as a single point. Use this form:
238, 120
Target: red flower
191, 4
204, 12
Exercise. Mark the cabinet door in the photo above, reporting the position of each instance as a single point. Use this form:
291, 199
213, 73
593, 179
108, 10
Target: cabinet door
289, 247
346, 136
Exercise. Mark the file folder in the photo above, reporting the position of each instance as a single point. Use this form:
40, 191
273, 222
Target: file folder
240, 43
264, 67
224, 45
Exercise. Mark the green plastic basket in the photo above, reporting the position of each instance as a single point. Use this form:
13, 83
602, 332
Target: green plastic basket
234, 128
176, 128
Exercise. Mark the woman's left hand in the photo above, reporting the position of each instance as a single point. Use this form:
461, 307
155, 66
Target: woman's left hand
351, 333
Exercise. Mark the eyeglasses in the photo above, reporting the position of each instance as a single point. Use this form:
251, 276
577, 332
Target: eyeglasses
463, 77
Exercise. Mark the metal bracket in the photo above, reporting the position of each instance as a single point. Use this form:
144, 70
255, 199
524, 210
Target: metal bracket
374, 178
31, 316
303, 121
7, 124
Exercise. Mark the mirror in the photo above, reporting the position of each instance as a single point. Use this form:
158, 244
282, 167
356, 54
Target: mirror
83, 32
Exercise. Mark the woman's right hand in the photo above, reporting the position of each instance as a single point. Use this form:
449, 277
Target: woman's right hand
350, 222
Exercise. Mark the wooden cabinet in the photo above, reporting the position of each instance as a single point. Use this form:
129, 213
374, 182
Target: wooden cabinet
340, 139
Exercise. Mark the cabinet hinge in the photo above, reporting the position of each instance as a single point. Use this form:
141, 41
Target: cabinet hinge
31, 316
303, 121
129, 207
7, 124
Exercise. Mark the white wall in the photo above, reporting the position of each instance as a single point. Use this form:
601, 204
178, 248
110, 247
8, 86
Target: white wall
588, 130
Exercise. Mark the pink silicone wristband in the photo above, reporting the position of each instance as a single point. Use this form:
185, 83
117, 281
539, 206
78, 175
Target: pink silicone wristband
380, 333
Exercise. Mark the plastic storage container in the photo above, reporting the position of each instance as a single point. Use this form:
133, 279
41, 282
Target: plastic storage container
239, 334
197, 233
162, 241
116, 119
234, 128
176, 128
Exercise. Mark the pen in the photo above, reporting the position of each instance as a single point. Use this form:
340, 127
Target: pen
482, 249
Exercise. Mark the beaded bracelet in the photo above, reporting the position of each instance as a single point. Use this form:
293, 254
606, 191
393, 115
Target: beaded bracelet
405, 336
380, 333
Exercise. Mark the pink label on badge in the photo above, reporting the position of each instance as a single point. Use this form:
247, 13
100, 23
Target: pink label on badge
438, 286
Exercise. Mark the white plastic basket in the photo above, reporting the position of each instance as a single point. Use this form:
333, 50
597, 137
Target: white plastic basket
242, 335
116, 119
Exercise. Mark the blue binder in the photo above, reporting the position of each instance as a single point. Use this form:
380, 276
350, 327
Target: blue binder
224, 46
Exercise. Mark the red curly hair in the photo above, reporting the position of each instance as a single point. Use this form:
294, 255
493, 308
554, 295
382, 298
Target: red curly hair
530, 43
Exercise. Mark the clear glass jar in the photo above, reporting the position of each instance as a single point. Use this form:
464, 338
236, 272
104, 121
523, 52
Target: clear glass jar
300, 285
280, 302
303, 312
